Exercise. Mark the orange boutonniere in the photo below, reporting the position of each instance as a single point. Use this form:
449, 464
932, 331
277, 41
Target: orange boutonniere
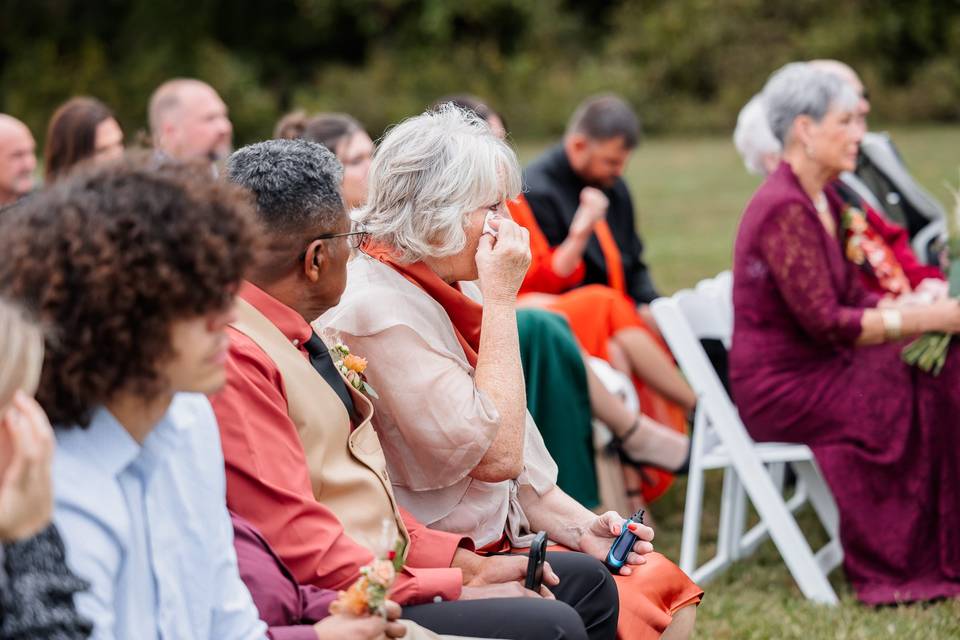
352, 367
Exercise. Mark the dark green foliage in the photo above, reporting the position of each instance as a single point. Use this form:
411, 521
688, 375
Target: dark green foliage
688, 65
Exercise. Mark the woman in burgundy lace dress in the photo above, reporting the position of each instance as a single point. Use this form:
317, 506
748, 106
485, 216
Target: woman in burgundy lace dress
814, 360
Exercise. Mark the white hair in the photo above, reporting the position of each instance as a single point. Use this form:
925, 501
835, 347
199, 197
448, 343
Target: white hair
798, 89
429, 172
21, 348
753, 138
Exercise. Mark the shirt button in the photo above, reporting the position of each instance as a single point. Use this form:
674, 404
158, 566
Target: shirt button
296, 342
437, 599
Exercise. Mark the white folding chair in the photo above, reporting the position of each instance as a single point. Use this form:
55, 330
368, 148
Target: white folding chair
720, 441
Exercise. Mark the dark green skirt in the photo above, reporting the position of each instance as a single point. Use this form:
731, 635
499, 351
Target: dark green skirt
558, 400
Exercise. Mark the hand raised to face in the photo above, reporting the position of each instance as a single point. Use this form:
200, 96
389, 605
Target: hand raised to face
502, 262
26, 489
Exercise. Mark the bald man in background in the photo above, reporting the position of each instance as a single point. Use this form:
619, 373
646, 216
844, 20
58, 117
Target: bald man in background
189, 122
18, 159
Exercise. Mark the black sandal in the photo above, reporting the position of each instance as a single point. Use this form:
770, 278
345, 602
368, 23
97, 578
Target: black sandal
615, 446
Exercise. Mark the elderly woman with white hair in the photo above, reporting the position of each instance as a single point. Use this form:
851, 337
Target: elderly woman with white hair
815, 360
758, 147
462, 451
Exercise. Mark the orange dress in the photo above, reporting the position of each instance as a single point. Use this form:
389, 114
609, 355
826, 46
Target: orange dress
650, 596
595, 313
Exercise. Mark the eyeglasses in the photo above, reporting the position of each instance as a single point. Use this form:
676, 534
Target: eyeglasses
356, 237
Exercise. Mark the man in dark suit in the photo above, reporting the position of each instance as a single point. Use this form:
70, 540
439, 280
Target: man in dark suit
586, 165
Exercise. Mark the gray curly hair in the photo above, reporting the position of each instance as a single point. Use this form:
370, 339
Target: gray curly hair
428, 172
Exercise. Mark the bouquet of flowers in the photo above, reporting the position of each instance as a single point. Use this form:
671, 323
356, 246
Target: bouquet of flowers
368, 595
929, 351
352, 368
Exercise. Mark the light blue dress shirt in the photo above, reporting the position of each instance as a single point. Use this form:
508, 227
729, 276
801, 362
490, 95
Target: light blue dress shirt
148, 527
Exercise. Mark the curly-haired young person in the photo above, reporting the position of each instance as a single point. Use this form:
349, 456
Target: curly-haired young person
134, 269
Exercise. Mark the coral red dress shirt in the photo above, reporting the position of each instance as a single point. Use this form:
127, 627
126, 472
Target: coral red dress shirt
268, 481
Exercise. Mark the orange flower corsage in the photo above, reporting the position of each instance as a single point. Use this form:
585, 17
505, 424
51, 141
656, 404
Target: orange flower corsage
352, 367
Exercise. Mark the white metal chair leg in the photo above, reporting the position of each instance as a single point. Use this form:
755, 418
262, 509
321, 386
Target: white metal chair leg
777, 473
693, 507
728, 540
785, 533
820, 496
738, 521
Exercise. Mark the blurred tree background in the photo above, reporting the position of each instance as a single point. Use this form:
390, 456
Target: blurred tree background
687, 65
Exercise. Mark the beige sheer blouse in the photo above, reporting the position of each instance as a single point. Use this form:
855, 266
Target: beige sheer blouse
434, 424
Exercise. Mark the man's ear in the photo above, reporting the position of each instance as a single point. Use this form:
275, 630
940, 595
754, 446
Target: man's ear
577, 142
315, 260
576, 146
166, 133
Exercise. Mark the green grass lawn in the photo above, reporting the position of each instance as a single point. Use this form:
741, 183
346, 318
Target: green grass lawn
689, 194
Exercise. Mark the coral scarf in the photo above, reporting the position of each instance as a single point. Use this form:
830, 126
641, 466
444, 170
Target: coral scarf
611, 256
465, 314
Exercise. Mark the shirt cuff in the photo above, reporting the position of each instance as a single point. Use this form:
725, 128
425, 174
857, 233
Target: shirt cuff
428, 585
432, 548
297, 632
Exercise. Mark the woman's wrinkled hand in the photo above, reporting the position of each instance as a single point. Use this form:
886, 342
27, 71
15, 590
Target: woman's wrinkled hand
502, 262
601, 531
934, 288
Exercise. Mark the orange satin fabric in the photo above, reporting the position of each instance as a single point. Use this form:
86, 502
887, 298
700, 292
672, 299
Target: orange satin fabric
596, 313
649, 596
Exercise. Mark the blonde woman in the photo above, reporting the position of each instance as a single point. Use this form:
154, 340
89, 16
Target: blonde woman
36, 592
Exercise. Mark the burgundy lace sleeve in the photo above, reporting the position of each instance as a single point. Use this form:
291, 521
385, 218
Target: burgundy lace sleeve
791, 242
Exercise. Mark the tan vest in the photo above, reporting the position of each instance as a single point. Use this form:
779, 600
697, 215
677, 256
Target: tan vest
350, 480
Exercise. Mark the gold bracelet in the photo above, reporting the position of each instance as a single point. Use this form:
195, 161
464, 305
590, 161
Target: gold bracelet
892, 323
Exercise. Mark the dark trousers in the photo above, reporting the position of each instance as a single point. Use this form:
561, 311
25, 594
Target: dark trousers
586, 607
